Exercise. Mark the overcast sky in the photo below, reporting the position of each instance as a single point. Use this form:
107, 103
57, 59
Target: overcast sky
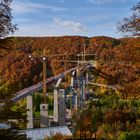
69, 17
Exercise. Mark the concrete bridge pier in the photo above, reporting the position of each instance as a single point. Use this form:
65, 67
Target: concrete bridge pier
74, 85
81, 92
84, 89
75, 101
55, 103
87, 78
72, 79
78, 88
30, 118
62, 108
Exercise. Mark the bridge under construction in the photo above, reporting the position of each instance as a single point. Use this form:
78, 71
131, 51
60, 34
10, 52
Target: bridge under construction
77, 93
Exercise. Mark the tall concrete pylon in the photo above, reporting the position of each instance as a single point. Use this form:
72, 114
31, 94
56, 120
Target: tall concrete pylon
82, 83
73, 78
84, 88
78, 87
62, 108
75, 101
81, 92
55, 103
30, 118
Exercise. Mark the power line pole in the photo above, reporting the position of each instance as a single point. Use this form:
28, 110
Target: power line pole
44, 118
84, 53
44, 74
65, 74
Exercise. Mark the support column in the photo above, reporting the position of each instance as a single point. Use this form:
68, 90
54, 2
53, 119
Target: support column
74, 85
44, 119
75, 101
72, 79
62, 108
71, 93
30, 111
87, 78
78, 87
55, 105
84, 89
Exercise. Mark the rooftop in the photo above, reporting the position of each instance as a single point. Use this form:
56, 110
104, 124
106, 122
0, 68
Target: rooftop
41, 133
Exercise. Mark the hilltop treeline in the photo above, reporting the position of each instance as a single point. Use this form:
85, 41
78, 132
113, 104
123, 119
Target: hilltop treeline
116, 57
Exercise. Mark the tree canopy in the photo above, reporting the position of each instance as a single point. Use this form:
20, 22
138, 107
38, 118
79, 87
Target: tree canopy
6, 25
131, 25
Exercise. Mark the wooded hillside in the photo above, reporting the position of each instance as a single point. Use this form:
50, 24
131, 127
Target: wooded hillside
116, 57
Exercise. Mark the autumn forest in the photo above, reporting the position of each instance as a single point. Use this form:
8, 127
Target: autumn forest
100, 101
